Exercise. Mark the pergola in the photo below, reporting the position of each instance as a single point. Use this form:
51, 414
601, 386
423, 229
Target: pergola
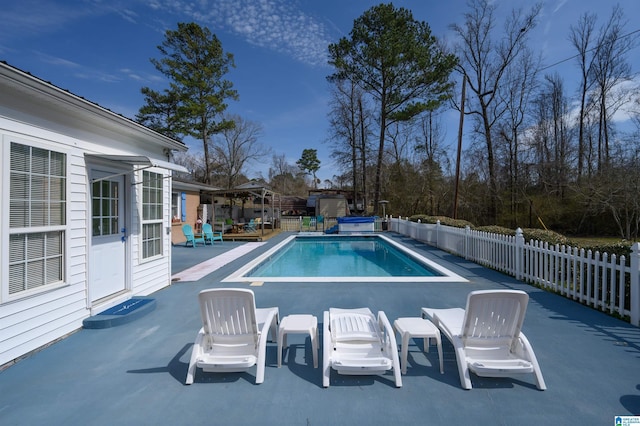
251, 189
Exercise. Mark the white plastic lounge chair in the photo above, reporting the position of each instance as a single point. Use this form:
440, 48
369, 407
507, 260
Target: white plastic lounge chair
487, 337
234, 333
355, 343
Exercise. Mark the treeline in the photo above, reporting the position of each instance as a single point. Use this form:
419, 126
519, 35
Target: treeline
536, 153
539, 156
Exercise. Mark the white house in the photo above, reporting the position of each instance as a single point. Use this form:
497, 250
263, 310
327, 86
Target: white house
86, 211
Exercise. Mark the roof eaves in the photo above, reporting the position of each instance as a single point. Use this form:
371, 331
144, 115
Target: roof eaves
33, 83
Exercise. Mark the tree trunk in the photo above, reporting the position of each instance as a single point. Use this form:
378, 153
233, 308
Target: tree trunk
378, 183
363, 147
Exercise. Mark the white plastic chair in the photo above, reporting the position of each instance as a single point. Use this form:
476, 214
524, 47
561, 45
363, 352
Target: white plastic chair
234, 333
355, 343
487, 335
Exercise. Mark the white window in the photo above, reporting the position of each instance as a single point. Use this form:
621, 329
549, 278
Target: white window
175, 207
105, 217
37, 217
151, 214
178, 207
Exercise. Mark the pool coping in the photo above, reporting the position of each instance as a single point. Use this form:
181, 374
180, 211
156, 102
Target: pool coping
447, 275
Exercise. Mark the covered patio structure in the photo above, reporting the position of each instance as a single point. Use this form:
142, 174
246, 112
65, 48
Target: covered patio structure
260, 194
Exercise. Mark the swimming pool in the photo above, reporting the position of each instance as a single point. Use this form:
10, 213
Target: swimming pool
351, 258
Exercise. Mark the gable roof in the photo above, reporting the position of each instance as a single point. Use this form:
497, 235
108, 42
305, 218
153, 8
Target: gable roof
23, 92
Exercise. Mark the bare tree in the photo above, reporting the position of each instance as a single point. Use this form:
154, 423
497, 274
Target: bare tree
350, 120
615, 191
610, 69
485, 55
286, 178
516, 93
433, 159
552, 138
582, 38
235, 148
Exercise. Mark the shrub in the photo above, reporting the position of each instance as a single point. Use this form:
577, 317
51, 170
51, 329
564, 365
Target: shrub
543, 235
457, 223
619, 248
494, 229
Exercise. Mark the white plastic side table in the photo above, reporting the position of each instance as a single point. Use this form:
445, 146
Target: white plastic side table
417, 328
307, 324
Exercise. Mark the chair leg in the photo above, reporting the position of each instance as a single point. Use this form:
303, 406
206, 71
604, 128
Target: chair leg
195, 353
540, 384
392, 346
326, 351
314, 345
463, 368
439, 344
262, 358
404, 350
281, 338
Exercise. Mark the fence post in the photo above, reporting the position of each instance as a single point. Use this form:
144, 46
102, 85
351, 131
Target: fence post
437, 233
634, 294
518, 254
467, 231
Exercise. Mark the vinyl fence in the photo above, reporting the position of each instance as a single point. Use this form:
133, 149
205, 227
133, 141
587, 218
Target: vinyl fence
608, 283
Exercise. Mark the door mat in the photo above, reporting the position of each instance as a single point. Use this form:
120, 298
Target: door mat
121, 313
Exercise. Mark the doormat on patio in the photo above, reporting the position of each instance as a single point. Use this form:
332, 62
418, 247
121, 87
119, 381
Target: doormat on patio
121, 313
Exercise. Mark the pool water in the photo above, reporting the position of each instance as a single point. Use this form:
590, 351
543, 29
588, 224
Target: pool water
340, 257
344, 258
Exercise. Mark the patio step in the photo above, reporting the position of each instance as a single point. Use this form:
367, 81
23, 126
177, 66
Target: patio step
121, 313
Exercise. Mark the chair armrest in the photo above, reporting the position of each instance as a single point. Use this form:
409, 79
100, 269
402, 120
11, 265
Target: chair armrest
268, 320
389, 333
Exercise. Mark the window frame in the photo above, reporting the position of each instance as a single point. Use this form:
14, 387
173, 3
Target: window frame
63, 229
178, 206
157, 222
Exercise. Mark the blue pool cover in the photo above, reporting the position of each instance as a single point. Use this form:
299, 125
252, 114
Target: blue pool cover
356, 219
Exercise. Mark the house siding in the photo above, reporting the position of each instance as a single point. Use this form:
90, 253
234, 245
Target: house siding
153, 274
38, 319
41, 316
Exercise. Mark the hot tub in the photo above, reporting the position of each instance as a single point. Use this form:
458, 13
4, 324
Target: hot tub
356, 224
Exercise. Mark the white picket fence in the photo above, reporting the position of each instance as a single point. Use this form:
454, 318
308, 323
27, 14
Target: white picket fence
607, 283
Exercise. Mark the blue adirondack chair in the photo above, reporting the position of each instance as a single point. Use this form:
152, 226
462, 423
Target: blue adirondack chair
192, 239
209, 234
251, 226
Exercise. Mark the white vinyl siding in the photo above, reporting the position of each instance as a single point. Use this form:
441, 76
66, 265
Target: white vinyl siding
152, 209
50, 140
37, 217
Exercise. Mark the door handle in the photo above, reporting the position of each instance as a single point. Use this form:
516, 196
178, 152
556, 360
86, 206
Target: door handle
124, 235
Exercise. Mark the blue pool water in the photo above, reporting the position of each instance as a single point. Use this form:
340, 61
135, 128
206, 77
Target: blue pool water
354, 256
342, 258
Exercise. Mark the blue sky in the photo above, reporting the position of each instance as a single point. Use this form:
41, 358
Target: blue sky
100, 50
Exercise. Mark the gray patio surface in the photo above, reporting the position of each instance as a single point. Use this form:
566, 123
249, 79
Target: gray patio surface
134, 374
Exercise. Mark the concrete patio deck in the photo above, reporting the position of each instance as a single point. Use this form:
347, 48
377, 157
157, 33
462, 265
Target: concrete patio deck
134, 374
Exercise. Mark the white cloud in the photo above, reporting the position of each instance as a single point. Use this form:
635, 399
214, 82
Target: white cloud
559, 5
278, 25
78, 70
